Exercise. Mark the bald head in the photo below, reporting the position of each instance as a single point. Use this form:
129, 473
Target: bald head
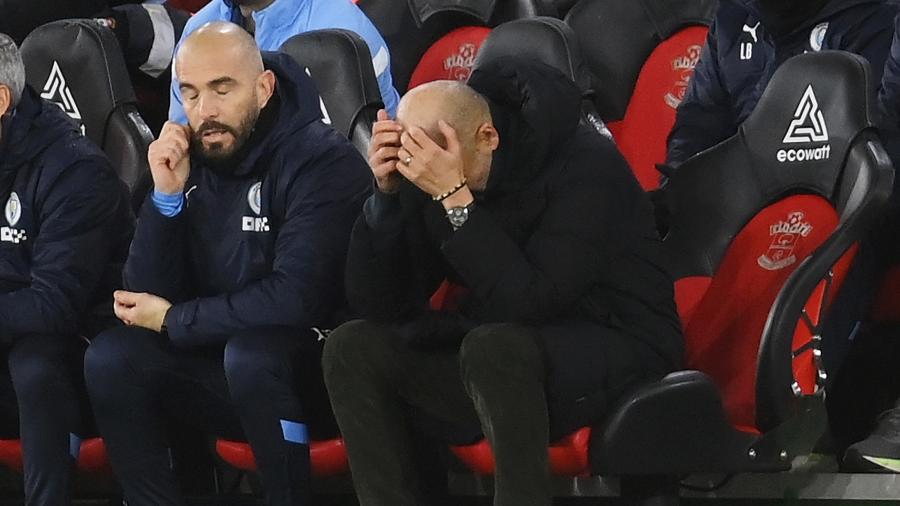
223, 86
466, 112
452, 101
224, 41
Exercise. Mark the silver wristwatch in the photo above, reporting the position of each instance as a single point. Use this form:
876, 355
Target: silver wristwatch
458, 216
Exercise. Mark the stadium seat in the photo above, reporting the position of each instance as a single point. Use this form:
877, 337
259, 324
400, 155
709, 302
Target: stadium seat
328, 458
642, 54
339, 63
411, 27
549, 41
78, 65
187, 5
91, 455
450, 57
758, 252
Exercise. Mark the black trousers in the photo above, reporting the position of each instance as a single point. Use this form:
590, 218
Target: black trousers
496, 384
264, 385
43, 402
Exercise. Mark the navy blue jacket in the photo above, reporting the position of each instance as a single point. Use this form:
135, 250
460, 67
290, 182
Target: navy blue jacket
735, 68
66, 225
265, 244
889, 101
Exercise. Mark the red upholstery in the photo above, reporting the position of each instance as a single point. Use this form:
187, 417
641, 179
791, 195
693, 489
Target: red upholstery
641, 134
451, 57
568, 456
724, 316
887, 302
92, 456
188, 5
329, 458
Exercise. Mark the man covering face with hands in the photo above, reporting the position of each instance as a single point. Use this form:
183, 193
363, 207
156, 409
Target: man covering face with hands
552, 297
233, 275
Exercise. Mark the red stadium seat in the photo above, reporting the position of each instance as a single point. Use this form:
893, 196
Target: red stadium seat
329, 458
764, 228
188, 5
411, 27
758, 253
642, 55
91, 458
451, 57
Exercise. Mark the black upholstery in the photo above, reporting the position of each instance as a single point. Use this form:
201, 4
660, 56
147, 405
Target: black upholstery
549, 41
411, 27
341, 66
713, 195
617, 36
78, 64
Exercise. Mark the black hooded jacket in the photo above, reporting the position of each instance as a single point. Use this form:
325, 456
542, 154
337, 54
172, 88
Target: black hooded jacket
264, 242
563, 232
66, 226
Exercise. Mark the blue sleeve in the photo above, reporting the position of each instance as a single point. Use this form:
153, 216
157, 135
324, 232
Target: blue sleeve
305, 285
79, 220
168, 204
158, 260
389, 95
705, 116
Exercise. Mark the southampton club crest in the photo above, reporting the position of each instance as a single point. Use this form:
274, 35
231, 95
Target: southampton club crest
683, 69
785, 237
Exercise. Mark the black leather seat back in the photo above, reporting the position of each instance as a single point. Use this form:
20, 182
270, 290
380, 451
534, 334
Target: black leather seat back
617, 36
340, 64
549, 41
78, 65
796, 141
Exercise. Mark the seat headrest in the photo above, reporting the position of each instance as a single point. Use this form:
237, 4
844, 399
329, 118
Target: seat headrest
806, 119
544, 39
340, 63
478, 9
617, 37
78, 65
451, 57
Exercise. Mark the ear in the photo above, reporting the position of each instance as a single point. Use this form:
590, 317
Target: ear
5, 99
487, 137
265, 87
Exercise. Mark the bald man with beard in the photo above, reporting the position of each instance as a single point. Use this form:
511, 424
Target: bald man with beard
553, 303
233, 276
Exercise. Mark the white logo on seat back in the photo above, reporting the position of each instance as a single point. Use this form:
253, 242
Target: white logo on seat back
459, 65
785, 237
325, 117
57, 91
808, 124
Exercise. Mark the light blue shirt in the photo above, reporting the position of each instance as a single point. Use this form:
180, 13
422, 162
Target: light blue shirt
285, 18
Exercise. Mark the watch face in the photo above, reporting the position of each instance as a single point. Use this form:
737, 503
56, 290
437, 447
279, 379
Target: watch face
458, 216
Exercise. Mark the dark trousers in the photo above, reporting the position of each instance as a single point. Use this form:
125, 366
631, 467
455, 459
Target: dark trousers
43, 402
494, 385
262, 385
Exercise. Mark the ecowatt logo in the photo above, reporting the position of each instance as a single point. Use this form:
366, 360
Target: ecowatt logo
808, 126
